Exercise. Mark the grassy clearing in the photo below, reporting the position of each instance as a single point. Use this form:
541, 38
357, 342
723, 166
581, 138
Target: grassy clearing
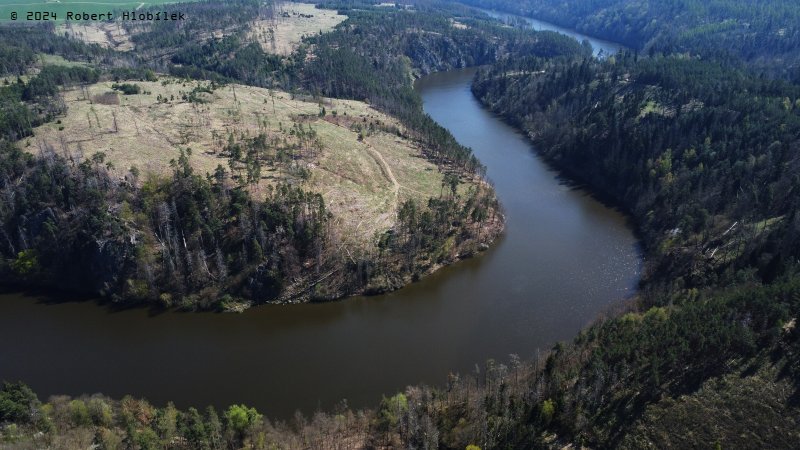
362, 177
55, 60
61, 7
294, 21
653, 107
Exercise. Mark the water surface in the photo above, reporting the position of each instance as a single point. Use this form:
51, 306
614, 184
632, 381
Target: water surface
564, 258
600, 47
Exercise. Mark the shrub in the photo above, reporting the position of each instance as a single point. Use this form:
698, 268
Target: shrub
127, 88
17, 403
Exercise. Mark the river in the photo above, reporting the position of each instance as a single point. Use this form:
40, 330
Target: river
563, 260
600, 47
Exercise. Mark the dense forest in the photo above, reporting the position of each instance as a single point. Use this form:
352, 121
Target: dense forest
701, 152
765, 34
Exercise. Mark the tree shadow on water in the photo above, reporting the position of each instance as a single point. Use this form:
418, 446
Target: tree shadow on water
45, 296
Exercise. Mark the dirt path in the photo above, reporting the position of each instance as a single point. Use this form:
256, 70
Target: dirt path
387, 172
385, 168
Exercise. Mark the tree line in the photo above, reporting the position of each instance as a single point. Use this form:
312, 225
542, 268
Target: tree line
189, 240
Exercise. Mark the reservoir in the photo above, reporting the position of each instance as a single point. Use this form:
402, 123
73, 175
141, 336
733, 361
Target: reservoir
563, 260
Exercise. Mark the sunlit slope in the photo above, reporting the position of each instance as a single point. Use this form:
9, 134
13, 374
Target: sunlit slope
354, 155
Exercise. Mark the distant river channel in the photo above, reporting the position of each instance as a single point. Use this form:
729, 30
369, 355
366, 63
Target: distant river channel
564, 259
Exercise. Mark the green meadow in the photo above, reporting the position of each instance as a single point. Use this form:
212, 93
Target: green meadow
61, 7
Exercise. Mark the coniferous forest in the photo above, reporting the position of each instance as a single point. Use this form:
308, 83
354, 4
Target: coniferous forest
693, 133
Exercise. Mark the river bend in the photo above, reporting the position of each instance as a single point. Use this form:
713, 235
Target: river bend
563, 259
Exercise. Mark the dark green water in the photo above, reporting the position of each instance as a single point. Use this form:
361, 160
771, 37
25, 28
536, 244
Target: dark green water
564, 259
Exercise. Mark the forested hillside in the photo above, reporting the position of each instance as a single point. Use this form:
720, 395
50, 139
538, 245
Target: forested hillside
700, 151
704, 157
765, 34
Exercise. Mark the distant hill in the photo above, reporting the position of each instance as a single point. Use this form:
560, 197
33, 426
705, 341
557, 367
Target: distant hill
763, 33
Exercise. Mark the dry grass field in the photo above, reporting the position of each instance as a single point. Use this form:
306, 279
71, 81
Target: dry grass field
294, 21
362, 178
